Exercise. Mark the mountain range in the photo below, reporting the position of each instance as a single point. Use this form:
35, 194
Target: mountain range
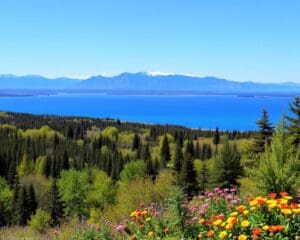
145, 82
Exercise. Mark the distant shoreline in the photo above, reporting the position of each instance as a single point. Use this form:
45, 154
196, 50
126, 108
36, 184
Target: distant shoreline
45, 92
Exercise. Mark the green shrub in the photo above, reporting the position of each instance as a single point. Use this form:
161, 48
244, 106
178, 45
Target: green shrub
40, 222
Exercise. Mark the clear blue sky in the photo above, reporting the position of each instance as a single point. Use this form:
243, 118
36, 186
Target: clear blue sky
257, 40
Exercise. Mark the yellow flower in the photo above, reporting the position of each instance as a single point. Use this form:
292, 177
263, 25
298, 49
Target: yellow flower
245, 223
286, 211
296, 211
283, 201
253, 203
150, 234
144, 213
148, 219
265, 228
229, 226
242, 237
218, 222
200, 236
233, 214
287, 197
201, 221
273, 205
245, 212
223, 234
240, 208
133, 214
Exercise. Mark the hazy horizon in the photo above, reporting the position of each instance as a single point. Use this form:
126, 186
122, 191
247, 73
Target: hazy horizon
153, 74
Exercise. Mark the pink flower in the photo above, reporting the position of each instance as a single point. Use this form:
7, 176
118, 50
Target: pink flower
119, 227
202, 212
228, 196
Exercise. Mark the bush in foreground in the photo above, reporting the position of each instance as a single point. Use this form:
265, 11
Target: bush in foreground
40, 222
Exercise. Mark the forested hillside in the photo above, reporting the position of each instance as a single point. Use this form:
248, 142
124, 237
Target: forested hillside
67, 173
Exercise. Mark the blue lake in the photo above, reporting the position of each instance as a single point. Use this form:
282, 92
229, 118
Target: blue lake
227, 112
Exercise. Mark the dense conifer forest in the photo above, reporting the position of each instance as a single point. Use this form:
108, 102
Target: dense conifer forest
57, 170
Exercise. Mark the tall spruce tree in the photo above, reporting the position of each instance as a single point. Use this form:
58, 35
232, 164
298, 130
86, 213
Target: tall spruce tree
22, 213
204, 177
216, 139
16, 195
65, 161
227, 166
135, 142
32, 203
165, 154
265, 133
293, 126
56, 206
149, 165
188, 178
178, 158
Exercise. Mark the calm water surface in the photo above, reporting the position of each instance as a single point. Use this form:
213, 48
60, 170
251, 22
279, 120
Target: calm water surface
227, 112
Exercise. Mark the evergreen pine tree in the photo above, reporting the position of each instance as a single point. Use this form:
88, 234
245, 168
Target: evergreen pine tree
65, 161
165, 154
145, 152
264, 134
56, 206
188, 174
178, 158
293, 127
216, 138
31, 201
204, 177
197, 150
149, 168
16, 194
22, 213
227, 167
135, 142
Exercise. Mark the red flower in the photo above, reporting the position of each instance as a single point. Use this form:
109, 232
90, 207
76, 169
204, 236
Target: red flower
255, 237
256, 231
272, 195
279, 228
208, 223
272, 228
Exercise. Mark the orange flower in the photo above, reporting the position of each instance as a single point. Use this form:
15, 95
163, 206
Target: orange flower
261, 201
132, 237
272, 228
279, 228
210, 233
272, 195
294, 205
256, 231
229, 226
166, 230
141, 226
282, 194
240, 208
